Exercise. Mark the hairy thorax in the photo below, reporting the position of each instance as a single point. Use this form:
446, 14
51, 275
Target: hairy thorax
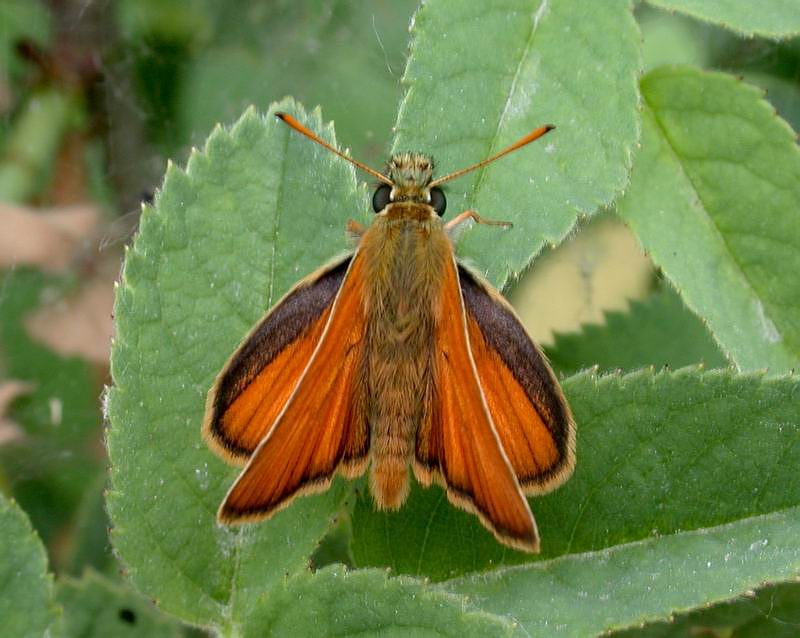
404, 254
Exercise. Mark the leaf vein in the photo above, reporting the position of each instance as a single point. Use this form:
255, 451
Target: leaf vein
723, 241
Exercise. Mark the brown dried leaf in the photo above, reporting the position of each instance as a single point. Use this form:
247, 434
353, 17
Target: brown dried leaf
80, 324
45, 238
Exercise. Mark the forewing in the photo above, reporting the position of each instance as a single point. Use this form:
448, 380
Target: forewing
258, 379
458, 446
530, 414
321, 428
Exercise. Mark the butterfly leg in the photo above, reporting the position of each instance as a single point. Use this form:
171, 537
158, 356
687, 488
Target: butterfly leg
355, 230
456, 225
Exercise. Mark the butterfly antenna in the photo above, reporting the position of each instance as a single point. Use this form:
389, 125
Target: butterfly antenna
530, 137
293, 123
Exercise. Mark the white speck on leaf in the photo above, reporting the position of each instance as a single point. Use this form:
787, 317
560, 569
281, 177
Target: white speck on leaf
758, 545
768, 329
201, 474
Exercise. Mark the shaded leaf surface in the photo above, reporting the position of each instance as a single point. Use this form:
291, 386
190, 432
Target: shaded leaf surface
658, 331
94, 606
336, 602
782, 93
257, 210
26, 589
657, 454
769, 18
481, 76
90, 546
715, 199
772, 611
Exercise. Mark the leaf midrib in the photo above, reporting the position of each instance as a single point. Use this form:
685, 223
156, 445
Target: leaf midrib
229, 606
703, 208
537, 16
277, 218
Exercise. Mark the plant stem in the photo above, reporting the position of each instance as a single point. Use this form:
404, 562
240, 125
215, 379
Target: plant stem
33, 142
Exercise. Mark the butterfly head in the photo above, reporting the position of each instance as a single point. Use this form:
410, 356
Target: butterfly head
410, 175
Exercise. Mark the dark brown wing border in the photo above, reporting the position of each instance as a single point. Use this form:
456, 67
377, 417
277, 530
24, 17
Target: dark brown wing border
503, 331
281, 325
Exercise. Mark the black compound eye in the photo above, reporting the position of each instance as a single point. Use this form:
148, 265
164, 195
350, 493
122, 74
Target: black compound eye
381, 197
438, 200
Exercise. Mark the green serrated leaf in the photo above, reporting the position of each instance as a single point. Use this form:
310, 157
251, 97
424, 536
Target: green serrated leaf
336, 602
768, 18
656, 454
590, 593
772, 611
481, 76
715, 199
658, 331
26, 589
782, 93
94, 606
258, 209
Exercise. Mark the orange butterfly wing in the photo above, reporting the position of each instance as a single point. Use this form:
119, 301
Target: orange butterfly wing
528, 409
257, 381
458, 444
321, 428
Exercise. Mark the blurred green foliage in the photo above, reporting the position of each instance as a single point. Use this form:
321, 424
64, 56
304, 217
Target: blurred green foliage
199, 63
49, 468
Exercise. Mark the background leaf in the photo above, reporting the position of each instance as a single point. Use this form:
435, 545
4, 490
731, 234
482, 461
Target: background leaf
657, 454
715, 199
658, 331
769, 18
257, 210
368, 603
358, 92
479, 77
20, 19
90, 546
49, 467
26, 589
94, 606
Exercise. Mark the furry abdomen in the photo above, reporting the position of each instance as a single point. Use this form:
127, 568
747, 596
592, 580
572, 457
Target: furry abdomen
404, 258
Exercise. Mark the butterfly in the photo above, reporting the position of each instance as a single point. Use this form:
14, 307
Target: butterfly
397, 358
